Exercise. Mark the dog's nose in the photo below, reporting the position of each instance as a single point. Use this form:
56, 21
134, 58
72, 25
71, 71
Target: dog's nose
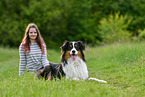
73, 51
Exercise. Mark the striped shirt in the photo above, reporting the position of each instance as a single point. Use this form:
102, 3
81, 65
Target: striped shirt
34, 60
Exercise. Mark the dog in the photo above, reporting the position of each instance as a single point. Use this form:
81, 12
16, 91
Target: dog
73, 64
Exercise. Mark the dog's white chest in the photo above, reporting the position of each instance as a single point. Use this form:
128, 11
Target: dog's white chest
76, 69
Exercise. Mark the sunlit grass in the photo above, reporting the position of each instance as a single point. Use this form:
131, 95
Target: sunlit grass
121, 65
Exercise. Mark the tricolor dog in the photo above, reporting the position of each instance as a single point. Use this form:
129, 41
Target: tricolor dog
73, 64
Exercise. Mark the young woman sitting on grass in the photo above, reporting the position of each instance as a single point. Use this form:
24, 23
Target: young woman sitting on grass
32, 50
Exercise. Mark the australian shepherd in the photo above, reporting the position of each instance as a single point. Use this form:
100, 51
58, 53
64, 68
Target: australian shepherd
73, 64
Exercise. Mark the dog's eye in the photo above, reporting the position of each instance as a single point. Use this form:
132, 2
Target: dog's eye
75, 45
70, 45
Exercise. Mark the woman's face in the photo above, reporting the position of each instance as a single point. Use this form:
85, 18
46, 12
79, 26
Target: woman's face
32, 33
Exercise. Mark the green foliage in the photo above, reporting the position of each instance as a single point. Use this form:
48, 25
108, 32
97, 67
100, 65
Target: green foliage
141, 35
114, 28
60, 20
57, 20
135, 10
121, 65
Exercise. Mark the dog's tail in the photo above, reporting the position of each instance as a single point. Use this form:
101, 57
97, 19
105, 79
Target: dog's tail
95, 79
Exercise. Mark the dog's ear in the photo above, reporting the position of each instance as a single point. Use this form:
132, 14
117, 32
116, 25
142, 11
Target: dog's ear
81, 45
64, 46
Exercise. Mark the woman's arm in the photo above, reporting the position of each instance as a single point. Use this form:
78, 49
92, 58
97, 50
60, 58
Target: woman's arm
45, 61
22, 64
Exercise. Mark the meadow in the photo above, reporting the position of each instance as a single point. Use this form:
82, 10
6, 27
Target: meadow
121, 65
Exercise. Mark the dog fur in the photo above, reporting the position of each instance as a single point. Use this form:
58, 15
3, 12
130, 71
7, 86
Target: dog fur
73, 64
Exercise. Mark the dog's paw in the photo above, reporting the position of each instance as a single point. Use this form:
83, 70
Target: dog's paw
76, 79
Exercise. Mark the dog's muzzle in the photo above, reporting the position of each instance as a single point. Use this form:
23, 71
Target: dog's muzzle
73, 55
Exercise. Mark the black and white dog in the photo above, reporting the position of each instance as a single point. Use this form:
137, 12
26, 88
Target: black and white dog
73, 64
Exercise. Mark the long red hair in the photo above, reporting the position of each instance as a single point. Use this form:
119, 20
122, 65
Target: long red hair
26, 40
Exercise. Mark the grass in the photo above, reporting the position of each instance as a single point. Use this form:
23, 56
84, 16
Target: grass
121, 65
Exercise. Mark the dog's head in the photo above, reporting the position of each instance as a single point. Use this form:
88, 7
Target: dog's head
73, 49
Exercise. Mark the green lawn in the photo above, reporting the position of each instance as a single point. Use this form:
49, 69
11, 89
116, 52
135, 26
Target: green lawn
121, 65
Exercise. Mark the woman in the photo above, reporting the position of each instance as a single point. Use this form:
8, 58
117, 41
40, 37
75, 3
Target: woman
32, 50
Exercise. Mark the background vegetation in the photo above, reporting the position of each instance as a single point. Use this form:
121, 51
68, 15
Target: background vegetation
91, 21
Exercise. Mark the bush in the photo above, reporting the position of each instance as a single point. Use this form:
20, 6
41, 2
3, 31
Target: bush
141, 35
114, 28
